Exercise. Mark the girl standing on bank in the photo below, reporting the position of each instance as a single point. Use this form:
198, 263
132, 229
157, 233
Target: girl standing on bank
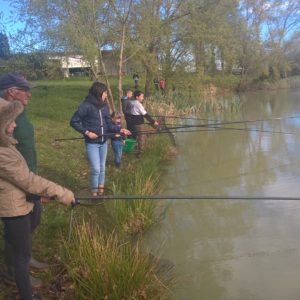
93, 120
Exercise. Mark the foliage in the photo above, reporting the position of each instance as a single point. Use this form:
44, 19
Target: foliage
136, 216
4, 46
34, 66
163, 38
105, 267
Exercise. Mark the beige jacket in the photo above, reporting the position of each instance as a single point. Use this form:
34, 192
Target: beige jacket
16, 180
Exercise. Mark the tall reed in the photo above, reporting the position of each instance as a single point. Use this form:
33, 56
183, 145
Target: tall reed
136, 216
183, 104
105, 267
140, 177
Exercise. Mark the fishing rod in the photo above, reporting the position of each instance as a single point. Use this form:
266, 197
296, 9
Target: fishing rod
174, 130
187, 197
183, 118
169, 129
104, 198
212, 120
237, 129
230, 123
112, 134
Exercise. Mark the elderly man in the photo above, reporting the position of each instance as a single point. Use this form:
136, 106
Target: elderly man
16, 87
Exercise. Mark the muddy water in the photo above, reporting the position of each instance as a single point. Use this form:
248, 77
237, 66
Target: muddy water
234, 249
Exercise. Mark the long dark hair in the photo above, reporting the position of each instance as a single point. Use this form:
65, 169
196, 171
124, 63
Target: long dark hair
97, 89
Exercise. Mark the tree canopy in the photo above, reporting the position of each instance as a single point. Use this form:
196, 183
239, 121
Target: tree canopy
162, 38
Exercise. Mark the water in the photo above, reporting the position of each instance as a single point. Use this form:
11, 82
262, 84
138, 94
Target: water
236, 249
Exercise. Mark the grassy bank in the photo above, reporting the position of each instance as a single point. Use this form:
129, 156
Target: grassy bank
113, 225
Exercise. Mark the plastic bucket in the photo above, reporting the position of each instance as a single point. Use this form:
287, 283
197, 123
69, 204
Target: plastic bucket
129, 145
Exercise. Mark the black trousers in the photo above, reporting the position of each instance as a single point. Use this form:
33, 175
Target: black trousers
17, 236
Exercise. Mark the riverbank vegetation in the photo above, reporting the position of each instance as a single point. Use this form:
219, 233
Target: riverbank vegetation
105, 266
104, 236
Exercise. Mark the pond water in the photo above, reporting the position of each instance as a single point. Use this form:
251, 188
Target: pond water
236, 249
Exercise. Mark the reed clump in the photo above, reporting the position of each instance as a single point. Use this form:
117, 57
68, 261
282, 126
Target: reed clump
136, 216
106, 267
183, 104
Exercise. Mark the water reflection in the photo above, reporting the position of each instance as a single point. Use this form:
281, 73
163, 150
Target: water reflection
236, 249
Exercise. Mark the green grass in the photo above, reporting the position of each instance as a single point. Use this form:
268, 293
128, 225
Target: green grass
107, 267
51, 107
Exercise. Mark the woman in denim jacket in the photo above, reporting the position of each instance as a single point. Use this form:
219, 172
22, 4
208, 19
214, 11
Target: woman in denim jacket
93, 120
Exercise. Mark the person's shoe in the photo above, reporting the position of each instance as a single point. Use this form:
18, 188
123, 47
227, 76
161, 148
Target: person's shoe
9, 278
36, 282
101, 190
37, 264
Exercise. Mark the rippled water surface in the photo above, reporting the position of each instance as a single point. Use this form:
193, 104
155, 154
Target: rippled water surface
236, 249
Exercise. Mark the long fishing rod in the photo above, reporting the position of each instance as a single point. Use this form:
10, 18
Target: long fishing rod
174, 130
187, 197
169, 129
230, 123
237, 129
183, 118
112, 134
190, 129
221, 123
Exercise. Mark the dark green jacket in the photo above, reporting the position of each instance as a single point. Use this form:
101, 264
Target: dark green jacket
24, 134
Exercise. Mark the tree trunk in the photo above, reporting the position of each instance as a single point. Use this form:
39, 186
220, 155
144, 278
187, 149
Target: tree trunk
121, 62
148, 82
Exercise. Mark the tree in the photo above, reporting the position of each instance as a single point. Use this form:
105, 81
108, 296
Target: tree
251, 56
164, 35
4, 46
120, 27
69, 26
283, 28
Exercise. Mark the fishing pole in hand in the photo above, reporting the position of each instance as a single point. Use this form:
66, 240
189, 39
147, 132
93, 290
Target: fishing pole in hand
169, 130
180, 129
79, 199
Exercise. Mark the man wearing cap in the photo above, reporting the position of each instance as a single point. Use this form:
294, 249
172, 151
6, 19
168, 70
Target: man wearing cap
15, 87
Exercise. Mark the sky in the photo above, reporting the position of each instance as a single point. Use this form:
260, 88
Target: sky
7, 25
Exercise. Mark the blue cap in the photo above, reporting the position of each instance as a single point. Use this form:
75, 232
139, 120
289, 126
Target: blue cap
10, 80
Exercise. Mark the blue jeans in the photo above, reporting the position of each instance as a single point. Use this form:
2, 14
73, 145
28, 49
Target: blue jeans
118, 149
97, 157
